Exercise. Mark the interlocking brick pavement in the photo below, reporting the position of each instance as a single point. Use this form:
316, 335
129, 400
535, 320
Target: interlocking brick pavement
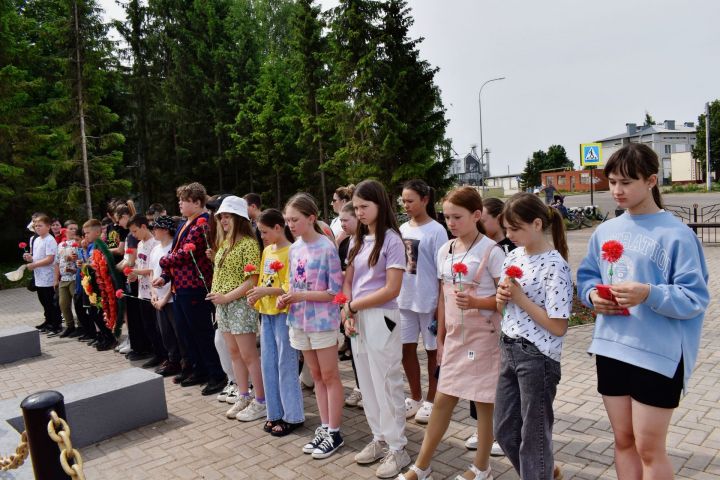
198, 442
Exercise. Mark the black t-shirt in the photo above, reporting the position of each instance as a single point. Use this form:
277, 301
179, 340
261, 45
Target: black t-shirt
506, 245
115, 236
343, 250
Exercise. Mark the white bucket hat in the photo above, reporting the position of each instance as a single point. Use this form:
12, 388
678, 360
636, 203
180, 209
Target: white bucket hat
233, 204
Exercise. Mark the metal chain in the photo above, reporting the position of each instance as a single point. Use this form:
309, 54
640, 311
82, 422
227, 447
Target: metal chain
18, 458
67, 452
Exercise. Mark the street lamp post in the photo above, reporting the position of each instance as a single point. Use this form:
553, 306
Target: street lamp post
482, 151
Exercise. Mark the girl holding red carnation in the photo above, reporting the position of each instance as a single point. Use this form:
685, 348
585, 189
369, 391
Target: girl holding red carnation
647, 334
468, 268
279, 360
235, 274
535, 296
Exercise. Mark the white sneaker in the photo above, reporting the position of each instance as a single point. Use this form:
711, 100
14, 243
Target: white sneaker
125, 348
393, 463
241, 404
222, 396
254, 411
233, 395
496, 451
354, 398
306, 378
471, 443
412, 407
372, 452
124, 343
423, 414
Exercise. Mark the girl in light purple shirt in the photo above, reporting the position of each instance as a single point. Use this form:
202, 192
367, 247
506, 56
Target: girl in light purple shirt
373, 278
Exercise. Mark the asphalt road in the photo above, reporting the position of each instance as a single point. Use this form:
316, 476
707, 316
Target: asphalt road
605, 202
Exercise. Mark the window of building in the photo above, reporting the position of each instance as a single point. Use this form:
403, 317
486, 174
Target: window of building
668, 148
561, 180
585, 178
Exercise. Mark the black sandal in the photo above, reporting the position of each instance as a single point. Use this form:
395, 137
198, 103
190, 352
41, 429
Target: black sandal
285, 428
269, 425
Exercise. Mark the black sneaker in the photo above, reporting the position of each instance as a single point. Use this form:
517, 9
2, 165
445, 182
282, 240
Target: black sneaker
193, 380
135, 356
214, 386
67, 332
320, 434
153, 362
329, 445
79, 332
53, 330
42, 326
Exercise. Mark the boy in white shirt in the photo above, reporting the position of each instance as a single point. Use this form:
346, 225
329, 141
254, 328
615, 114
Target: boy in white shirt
139, 228
161, 298
42, 263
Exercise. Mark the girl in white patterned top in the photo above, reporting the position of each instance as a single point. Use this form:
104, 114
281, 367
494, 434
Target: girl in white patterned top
536, 301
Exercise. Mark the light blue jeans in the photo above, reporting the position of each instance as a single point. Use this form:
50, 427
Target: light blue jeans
280, 371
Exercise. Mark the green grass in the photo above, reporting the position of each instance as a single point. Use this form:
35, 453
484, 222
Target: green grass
691, 187
9, 267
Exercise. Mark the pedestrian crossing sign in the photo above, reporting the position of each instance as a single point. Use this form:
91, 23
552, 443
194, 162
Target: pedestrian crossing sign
591, 154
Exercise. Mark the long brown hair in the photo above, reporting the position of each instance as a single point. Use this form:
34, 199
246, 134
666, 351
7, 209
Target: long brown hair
373, 191
306, 205
469, 199
636, 160
241, 228
525, 208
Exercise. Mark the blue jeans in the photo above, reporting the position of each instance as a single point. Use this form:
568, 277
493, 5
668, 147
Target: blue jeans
280, 371
523, 408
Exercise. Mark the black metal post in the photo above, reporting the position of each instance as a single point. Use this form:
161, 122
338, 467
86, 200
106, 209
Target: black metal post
44, 452
695, 208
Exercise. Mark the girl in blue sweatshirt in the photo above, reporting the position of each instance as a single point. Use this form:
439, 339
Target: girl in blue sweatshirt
646, 340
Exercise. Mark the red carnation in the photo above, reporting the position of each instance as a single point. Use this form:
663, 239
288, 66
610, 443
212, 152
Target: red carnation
276, 266
460, 268
127, 271
612, 250
129, 251
119, 293
189, 247
340, 299
201, 221
514, 272
249, 268
22, 245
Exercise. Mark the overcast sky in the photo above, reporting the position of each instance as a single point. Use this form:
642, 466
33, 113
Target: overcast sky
576, 71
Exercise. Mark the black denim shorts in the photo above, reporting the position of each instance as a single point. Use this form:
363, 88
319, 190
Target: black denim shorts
618, 379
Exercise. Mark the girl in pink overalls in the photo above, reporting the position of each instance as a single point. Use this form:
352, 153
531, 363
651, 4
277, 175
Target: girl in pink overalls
469, 267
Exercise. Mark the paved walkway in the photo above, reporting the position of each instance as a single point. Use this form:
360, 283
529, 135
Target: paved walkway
197, 442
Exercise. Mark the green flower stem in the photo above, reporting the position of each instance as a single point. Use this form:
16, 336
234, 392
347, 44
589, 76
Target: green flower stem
202, 277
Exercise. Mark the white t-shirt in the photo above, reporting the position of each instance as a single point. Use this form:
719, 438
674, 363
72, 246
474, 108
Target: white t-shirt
419, 291
485, 286
547, 281
41, 249
336, 226
154, 263
144, 248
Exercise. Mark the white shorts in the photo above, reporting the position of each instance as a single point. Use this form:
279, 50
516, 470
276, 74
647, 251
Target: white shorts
414, 324
302, 340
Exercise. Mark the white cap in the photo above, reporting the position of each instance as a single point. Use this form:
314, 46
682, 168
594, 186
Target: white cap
233, 204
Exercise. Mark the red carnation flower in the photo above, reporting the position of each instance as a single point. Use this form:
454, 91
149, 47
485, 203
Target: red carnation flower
127, 271
276, 266
189, 247
249, 268
340, 299
460, 268
129, 251
612, 250
514, 272
119, 293
22, 245
201, 221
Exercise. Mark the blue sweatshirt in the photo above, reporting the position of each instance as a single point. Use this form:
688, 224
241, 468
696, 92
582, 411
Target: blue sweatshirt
661, 251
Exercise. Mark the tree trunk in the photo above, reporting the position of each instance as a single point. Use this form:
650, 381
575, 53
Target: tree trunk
320, 162
81, 114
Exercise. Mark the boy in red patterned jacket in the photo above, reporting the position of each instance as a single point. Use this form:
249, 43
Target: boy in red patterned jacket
193, 314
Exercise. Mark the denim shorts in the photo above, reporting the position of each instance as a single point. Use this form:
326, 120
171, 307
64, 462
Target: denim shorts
618, 379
